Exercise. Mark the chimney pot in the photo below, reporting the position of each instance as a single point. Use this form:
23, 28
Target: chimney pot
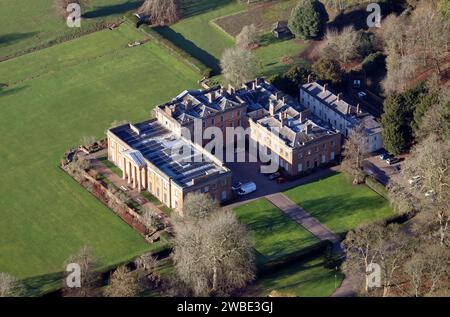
309, 78
231, 89
325, 87
308, 128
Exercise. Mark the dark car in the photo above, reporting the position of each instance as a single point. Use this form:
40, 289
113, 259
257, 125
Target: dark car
385, 156
274, 176
236, 186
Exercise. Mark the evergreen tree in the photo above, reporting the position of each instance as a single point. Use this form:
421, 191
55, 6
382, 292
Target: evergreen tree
305, 19
328, 70
393, 124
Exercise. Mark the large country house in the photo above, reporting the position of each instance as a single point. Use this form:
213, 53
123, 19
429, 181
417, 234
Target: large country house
282, 126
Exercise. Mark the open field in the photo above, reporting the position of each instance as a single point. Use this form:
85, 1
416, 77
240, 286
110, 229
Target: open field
27, 24
55, 97
274, 234
306, 279
338, 204
263, 16
201, 37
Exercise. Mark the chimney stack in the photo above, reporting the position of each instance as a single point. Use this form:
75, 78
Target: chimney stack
231, 90
309, 78
272, 108
308, 128
339, 97
325, 87
358, 109
212, 96
283, 119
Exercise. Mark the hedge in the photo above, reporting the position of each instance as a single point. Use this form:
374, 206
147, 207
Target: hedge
186, 58
377, 187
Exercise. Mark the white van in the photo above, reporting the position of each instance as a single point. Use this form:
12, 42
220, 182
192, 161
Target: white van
246, 189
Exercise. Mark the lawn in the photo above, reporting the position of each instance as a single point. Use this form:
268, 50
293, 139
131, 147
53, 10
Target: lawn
308, 279
339, 204
55, 97
202, 37
27, 24
274, 234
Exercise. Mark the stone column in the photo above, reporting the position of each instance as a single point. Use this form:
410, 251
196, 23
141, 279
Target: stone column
139, 179
134, 176
129, 173
124, 169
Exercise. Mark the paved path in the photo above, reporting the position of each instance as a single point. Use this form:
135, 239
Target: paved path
305, 220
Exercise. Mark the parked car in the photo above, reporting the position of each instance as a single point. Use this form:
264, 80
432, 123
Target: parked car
429, 193
246, 189
362, 94
414, 180
385, 156
274, 176
392, 160
236, 186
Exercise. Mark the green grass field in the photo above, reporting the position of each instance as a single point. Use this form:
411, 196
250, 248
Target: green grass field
274, 233
55, 97
202, 38
338, 204
308, 279
27, 24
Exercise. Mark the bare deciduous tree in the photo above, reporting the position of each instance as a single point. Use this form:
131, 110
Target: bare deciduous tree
248, 38
356, 149
342, 46
161, 12
213, 256
10, 286
428, 270
122, 284
147, 268
199, 206
425, 179
238, 65
89, 277
386, 246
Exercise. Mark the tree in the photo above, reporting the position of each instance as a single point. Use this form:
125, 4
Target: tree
305, 19
122, 284
328, 70
238, 65
89, 277
248, 38
198, 206
290, 81
10, 286
161, 12
430, 162
147, 268
375, 244
356, 149
396, 127
213, 256
342, 46
427, 270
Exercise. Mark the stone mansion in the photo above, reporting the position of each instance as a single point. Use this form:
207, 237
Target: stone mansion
296, 133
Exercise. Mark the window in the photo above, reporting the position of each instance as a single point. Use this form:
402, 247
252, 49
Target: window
324, 158
307, 164
332, 155
300, 155
223, 196
300, 167
212, 121
221, 118
206, 189
332, 143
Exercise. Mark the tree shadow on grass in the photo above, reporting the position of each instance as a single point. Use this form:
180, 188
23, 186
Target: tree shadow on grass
113, 9
12, 38
5, 91
190, 47
43, 284
190, 8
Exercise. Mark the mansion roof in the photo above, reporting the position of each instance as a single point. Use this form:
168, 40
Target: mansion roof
151, 141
